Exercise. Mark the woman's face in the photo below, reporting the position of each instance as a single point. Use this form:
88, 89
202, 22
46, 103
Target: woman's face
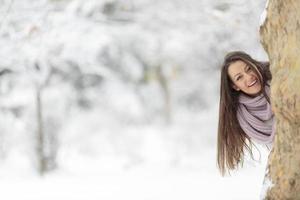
244, 78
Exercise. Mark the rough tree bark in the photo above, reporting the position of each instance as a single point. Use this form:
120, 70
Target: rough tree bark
280, 36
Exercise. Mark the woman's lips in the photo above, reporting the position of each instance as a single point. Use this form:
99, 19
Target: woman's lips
252, 83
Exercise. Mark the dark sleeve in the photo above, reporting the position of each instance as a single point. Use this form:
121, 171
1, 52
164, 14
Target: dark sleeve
266, 70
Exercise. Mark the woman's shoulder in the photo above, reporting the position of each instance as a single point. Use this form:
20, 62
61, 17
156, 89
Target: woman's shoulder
266, 70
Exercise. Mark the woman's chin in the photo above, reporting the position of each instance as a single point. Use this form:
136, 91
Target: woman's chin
255, 91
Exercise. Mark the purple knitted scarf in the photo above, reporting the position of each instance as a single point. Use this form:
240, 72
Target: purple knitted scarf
256, 117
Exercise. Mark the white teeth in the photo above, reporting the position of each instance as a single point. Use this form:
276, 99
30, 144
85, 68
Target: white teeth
252, 83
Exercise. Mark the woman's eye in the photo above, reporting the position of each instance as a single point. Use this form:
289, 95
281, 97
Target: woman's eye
248, 68
238, 78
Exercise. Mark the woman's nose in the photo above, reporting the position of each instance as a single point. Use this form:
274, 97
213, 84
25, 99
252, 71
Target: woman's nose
248, 77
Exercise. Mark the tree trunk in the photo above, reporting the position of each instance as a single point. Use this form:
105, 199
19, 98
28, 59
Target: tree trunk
280, 36
42, 163
163, 82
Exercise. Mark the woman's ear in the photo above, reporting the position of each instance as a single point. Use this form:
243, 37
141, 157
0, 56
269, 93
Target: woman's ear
235, 87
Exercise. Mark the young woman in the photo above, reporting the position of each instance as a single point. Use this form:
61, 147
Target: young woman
245, 113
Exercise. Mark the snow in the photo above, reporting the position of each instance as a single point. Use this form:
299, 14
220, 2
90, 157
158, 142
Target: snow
264, 14
169, 184
90, 180
267, 185
153, 172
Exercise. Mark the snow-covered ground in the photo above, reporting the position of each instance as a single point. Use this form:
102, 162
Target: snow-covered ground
153, 172
98, 178
145, 182
138, 184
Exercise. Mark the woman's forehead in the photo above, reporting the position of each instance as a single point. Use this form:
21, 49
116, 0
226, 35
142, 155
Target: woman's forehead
236, 66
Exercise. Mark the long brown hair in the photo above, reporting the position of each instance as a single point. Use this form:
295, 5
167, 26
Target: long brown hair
232, 140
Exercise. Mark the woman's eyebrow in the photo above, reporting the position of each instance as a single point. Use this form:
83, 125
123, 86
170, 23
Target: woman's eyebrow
236, 75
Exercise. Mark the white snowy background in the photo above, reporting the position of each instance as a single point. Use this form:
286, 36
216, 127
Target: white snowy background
129, 95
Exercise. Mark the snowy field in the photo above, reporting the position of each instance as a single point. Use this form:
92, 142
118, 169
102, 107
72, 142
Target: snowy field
138, 184
145, 182
157, 175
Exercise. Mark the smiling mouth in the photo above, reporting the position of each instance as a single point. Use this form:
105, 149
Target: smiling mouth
253, 83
